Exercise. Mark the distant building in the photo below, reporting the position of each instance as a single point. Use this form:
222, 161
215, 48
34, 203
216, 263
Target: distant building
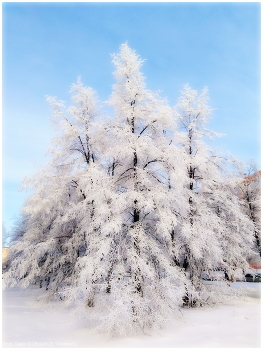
253, 177
5, 255
254, 262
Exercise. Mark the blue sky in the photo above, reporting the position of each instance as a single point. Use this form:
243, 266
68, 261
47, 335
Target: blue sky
46, 46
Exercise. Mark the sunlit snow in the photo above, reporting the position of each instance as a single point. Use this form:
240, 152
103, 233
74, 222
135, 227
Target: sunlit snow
236, 324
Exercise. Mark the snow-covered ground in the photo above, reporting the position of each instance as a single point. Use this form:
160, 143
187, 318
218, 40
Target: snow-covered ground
234, 325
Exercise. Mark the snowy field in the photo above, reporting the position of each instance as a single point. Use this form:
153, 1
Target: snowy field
236, 325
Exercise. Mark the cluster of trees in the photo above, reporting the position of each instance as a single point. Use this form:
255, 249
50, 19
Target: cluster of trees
132, 209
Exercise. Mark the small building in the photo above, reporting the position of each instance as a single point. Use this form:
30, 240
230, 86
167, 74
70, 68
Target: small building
254, 264
5, 256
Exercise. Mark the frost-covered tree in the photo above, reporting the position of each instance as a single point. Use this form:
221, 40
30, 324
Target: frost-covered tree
143, 219
102, 212
249, 189
129, 211
56, 233
214, 232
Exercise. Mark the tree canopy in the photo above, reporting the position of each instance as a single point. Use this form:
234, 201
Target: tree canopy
131, 209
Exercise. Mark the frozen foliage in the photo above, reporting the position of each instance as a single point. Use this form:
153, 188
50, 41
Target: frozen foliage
131, 210
249, 190
214, 232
